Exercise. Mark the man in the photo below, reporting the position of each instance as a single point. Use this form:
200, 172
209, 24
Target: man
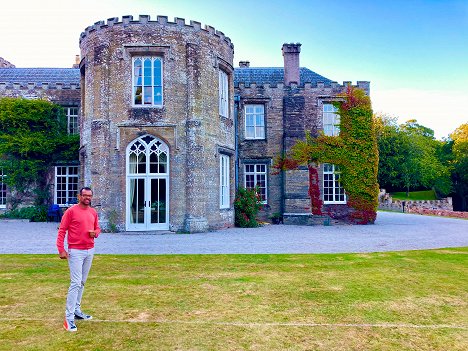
81, 222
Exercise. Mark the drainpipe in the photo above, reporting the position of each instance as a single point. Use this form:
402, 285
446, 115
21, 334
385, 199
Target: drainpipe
236, 146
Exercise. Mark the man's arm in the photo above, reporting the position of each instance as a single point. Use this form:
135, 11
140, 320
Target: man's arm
64, 224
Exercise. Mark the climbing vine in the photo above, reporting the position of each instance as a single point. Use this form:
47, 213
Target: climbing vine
354, 150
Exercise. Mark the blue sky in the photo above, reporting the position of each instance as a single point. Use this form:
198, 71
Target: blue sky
414, 53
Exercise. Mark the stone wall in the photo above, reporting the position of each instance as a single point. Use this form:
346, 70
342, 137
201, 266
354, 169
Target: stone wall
188, 122
386, 202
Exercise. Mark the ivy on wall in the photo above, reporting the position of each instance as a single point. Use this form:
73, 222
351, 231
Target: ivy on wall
354, 151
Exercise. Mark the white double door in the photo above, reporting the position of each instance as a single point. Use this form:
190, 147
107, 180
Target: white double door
148, 203
147, 184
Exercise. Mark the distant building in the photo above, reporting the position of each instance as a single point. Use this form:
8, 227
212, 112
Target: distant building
169, 128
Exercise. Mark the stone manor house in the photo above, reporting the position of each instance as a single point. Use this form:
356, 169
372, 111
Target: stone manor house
169, 128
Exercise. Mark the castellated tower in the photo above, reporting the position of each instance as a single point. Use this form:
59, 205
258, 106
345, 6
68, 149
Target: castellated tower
157, 131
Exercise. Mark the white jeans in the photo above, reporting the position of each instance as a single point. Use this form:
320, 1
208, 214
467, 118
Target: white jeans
79, 262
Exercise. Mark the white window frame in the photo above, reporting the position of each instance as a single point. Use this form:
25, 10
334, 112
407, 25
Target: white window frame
332, 186
224, 182
153, 85
72, 120
331, 120
68, 175
3, 189
255, 112
223, 94
257, 171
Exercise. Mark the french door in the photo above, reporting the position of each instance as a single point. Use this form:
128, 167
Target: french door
147, 185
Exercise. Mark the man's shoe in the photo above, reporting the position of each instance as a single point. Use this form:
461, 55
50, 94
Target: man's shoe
70, 325
81, 315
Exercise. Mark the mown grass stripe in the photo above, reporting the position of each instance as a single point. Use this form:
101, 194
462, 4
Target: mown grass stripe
256, 324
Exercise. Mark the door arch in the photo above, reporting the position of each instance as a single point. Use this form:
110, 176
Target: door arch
147, 184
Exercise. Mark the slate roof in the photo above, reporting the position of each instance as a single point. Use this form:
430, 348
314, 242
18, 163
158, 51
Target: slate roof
40, 75
246, 75
274, 75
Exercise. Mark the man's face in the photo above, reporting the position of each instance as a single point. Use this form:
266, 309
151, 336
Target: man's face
85, 197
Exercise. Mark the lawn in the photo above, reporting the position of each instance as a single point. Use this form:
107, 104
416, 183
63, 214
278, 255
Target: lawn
415, 195
415, 300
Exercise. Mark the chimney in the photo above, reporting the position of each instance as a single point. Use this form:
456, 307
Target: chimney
244, 64
291, 63
77, 62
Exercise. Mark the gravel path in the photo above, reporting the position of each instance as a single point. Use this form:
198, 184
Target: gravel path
391, 232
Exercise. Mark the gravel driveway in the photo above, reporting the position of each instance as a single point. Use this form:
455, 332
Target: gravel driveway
391, 232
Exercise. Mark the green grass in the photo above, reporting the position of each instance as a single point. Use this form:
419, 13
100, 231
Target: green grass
414, 300
415, 195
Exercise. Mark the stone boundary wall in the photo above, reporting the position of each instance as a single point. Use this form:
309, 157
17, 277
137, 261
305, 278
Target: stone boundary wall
435, 212
387, 203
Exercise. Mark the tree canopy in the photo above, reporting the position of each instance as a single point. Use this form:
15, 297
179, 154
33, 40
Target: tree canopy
409, 157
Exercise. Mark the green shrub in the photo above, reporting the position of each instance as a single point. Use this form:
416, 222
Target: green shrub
33, 213
246, 205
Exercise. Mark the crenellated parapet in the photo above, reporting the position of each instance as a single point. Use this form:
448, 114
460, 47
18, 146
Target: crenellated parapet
144, 20
334, 86
37, 86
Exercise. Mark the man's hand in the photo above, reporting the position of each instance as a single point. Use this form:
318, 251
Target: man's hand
63, 255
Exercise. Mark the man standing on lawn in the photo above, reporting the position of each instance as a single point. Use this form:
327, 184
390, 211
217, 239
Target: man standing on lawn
81, 222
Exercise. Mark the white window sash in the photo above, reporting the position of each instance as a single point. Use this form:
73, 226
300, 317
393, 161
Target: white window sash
223, 94
335, 191
256, 175
257, 128
151, 89
224, 189
331, 120
71, 184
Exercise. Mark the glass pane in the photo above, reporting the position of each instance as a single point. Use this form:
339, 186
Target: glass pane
137, 72
259, 120
137, 200
138, 95
157, 72
158, 200
260, 132
249, 181
250, 132
147, 95
157, 95
153, 163
141, 165
162, 163
147, 69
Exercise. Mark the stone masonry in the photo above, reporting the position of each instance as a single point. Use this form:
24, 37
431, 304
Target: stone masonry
189, 121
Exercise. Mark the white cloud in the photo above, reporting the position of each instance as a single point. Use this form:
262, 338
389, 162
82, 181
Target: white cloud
442, 111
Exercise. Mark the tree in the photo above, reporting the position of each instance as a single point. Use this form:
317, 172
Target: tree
409, 157
459, 147
33, 136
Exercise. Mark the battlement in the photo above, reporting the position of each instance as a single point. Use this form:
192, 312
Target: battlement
35, 85
160, 21
364, 85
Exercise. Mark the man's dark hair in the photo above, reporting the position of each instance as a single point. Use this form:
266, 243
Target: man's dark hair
85, 188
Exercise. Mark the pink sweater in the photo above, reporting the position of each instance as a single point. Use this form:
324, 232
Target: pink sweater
77, 221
